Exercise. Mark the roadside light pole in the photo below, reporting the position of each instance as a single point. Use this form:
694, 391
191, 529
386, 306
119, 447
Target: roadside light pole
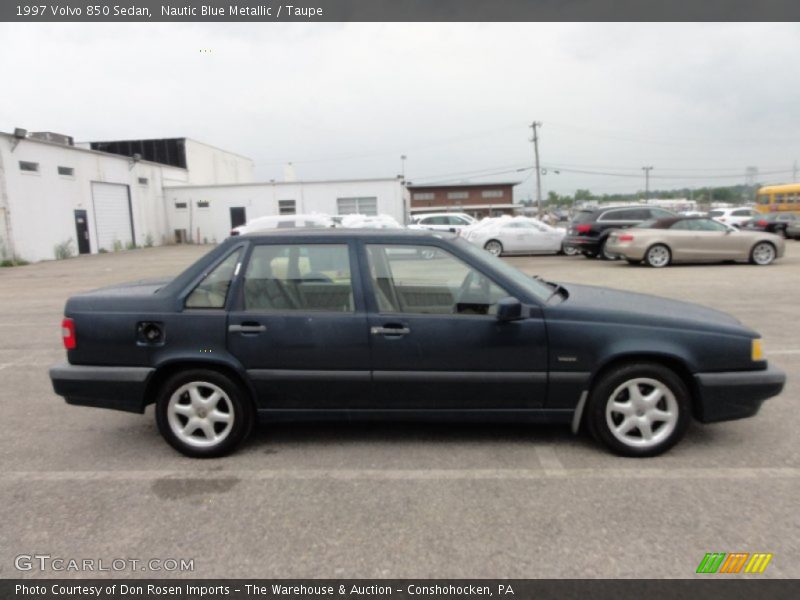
535, 125
403, 166
647, 182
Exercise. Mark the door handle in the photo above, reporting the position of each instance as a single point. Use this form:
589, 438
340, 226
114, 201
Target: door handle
247, 328
389, 330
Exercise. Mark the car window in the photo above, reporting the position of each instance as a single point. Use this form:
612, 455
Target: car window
660, 213
406, 279
306, 277
584, 216
706, 225
212, 291
742, 213
684, 225
716, 213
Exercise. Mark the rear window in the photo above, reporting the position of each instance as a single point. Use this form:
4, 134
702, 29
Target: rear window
584, 216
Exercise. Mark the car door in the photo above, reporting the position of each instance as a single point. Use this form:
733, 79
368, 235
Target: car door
299, 327
435, 341
712, 240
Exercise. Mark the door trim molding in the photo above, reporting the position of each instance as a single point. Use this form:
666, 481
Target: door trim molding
458, 376
306, 375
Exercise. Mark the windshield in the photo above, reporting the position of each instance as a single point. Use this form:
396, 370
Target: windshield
583, 216
535, 287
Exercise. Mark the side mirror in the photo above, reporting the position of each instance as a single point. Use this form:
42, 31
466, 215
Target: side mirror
509, 309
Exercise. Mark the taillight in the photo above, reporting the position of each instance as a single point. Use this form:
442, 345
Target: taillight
625, 237
68, 333
583, 228
762, 223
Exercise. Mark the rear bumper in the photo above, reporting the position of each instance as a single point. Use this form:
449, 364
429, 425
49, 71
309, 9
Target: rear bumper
118, 388
736, 394
582, 244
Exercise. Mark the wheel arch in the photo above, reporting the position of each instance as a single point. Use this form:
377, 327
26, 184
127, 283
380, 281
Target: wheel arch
671, 361
170, 367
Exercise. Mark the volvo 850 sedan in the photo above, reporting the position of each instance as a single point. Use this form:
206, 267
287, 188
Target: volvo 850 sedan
360, 324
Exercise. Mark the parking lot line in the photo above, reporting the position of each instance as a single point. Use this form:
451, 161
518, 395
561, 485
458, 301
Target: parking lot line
404, 474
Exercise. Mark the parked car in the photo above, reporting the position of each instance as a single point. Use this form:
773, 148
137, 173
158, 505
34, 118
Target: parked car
451, 222
516, 235
732, 216
269, 222
589, 229
691, 239
340, 324
774, 222
793, 230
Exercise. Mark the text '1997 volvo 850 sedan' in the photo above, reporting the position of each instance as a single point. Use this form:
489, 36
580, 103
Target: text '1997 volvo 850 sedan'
403, 325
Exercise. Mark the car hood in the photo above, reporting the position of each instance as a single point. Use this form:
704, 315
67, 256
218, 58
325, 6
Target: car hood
599, 304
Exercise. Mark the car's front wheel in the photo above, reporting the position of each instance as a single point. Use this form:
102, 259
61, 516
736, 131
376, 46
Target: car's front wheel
494, 247
762, 254
203, 413
658, 256
639, 409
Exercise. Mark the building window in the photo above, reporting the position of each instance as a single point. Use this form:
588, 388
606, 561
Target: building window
457, 195
143, 181
66, 171
287, 207
357, 206
423, 196
30, 167
202, 204
180, 205
492, 194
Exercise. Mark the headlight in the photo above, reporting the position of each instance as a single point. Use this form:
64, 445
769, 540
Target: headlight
757, 352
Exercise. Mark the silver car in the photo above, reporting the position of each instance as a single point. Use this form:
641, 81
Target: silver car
688, 239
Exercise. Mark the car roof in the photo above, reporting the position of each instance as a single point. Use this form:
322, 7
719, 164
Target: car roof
604, 208
344, 232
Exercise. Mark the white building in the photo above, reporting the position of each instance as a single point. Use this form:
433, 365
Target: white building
209, 212
53, 192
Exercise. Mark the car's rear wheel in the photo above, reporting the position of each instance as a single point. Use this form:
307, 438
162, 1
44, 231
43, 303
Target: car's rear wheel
639, 409
658, 256
762, 254
493, 247
605, 254
589, 254
569, 250
203, 413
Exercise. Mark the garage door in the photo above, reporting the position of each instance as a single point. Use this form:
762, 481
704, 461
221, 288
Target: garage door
112, 215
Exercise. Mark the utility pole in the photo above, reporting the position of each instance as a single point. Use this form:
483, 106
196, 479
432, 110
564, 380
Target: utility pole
794, 171
647, 182
535, 125
403, 165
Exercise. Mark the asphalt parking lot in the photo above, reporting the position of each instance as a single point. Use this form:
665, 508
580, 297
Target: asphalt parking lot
391, 500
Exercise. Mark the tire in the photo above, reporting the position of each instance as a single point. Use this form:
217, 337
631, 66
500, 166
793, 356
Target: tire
762, 254
605, 254
493, 247
589, 254
623, 423
177, 404
569, 250
658, 256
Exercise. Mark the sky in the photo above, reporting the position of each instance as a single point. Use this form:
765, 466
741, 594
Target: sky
697, 102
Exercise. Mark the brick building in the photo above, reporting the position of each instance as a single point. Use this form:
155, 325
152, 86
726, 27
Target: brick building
477, 199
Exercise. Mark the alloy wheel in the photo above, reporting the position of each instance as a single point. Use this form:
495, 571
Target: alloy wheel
200, 414
642, 412
763, 253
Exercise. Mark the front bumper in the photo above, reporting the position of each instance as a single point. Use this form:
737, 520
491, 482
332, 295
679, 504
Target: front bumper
736, 394
118, 388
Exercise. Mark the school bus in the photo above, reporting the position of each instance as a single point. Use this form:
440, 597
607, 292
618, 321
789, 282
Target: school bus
779, 198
